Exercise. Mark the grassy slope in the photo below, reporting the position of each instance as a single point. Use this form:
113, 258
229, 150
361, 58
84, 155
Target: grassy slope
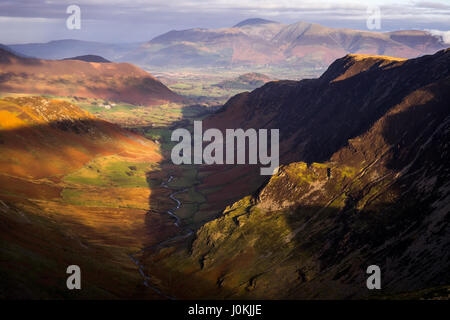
87, 209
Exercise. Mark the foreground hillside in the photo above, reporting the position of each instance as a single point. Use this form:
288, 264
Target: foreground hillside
121, 82
364, 180
73, 190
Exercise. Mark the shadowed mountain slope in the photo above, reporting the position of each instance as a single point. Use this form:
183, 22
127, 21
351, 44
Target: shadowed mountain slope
317, 117
365, 180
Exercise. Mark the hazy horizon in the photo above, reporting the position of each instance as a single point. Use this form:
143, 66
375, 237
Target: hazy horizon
118, 21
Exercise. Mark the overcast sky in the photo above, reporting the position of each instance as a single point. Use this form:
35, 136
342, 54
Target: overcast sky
24, 21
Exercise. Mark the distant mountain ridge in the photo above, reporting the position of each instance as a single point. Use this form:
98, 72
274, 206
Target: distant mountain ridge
66, 48
252, 42
256, 42
246, 81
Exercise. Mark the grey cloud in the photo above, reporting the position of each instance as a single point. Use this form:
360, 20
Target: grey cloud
139, 20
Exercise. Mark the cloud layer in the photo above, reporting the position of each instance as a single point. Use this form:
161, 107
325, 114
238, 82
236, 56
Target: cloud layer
444, 35
140, 20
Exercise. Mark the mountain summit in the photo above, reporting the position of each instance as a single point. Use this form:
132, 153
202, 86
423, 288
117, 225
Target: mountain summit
253, 21
89, 58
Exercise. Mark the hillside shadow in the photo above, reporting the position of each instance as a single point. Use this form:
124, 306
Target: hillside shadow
343, 243
425, 123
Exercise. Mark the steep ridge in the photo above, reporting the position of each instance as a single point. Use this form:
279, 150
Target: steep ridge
364, 181
121, 82
316, 117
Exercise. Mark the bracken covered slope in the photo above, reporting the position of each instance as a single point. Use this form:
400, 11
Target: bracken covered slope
73, 190
365, 181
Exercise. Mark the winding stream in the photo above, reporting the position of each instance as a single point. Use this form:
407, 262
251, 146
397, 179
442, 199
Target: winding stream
177, 222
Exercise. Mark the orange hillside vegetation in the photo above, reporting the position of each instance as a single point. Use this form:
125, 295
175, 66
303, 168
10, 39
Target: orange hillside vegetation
41, 138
